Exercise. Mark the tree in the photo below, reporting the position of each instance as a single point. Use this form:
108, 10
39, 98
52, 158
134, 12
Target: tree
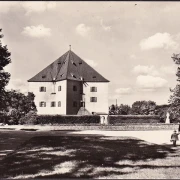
136, 107
119, 110
4, 76
13, 104
18, 105
174, 99
112, 109
143, 108
124, 109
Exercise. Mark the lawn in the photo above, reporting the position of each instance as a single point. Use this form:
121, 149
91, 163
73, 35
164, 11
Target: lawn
62, 154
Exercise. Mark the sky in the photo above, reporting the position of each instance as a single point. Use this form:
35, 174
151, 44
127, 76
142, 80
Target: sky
129, 43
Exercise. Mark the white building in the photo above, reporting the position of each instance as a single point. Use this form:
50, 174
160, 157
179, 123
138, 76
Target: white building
69, 86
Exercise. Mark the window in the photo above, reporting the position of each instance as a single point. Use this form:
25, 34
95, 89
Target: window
74, 104
59, 88
73, 75
93, 99
42, 104
61, 75
81, 91
74, 88
42, 89
59, 103
93, 89
82, 104
53, 104
73, 63
64, 62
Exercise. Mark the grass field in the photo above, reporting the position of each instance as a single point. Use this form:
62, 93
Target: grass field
87, 154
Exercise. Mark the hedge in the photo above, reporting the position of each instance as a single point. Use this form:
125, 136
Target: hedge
69, 119
29, 118
115, 119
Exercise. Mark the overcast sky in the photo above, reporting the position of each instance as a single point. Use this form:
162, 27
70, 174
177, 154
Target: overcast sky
130, 45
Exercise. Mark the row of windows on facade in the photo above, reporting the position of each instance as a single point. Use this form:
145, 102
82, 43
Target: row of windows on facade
53, 103
92, 89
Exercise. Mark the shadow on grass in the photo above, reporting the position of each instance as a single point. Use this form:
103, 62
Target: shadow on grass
7, 128
29, 129
80, 157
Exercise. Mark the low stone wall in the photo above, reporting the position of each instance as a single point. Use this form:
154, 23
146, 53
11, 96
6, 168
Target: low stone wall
120, 127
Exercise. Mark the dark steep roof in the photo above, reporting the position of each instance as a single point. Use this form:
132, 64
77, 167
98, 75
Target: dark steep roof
68, 66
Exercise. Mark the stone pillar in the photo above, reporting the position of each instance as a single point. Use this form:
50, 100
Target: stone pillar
167, 118
104, 119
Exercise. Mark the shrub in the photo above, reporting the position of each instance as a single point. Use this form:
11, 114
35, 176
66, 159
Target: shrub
134, 119
29, 118
4, 119
69, 119
18, 105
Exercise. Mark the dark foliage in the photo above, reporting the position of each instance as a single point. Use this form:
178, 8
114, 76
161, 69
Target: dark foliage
174, 99
29, 118
4, 76
120, 110
161, 111
138, 108
4, 118
143, 108
18, 105
59, 119
134, 119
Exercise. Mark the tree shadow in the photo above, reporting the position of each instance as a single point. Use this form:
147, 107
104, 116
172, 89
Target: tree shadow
28, 129
10, 141
80, 157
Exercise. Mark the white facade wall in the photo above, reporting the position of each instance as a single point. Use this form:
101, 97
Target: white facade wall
102, 97
48, 97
